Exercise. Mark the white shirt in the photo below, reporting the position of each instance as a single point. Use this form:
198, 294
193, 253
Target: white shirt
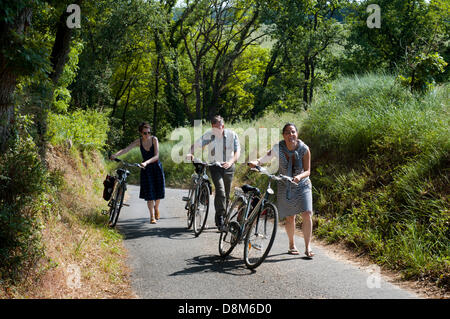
220, 149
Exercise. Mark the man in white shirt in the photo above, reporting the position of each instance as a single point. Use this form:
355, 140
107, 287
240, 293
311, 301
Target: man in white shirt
224, 147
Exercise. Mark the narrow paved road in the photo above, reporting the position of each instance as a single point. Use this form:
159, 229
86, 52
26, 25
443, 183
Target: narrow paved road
167, 261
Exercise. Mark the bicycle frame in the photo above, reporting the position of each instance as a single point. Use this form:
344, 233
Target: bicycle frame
197, 180
247, 198
115, 203
249, 216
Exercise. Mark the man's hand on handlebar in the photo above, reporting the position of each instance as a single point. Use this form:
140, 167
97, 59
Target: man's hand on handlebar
226, 164
253, 164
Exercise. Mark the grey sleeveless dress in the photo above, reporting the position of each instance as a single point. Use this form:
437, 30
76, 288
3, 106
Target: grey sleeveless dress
291, 199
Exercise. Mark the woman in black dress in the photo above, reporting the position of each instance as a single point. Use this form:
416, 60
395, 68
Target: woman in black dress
152, 175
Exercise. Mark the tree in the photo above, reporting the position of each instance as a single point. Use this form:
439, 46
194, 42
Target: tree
15, 59
24, 56
304, 31
403, 25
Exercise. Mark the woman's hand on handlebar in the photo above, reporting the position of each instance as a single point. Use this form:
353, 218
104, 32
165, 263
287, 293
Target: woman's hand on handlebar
253, 164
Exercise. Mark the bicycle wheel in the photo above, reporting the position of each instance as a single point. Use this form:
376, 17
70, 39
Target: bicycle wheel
190, 207
116, 206
232, 234
201, 209
260, 236
190, 216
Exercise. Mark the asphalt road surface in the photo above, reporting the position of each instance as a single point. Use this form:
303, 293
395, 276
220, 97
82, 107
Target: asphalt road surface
169, 262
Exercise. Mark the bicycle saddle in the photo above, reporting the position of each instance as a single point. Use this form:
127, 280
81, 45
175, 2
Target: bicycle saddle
247, 189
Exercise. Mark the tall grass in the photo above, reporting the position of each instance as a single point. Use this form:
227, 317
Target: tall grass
256, 137
381, 172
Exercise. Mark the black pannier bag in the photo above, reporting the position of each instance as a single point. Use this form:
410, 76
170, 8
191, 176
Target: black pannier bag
108, 187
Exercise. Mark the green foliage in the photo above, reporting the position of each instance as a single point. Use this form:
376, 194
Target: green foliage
22, 202
422, 72
403, 25
86, 129
380, 166
61, 94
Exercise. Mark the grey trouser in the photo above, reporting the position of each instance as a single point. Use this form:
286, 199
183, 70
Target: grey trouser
222, 179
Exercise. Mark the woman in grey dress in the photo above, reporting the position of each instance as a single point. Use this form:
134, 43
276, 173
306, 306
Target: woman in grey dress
295, 161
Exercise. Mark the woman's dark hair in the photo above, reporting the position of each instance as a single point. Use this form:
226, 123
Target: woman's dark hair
289, 124
144, 125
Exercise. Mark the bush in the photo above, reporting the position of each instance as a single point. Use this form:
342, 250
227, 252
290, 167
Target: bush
22, 200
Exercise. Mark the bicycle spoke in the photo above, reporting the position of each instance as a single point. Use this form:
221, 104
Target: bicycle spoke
201, 211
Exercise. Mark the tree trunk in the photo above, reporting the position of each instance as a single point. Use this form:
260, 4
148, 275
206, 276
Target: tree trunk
9, 73
61, 48
155, 102
307, 73
311, 84
198, 95
124, 119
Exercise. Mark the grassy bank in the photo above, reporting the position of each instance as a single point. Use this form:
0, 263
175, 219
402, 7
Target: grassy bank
381, 173
55, 242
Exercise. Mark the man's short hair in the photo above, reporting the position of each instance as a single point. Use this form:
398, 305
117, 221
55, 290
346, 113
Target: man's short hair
217, 119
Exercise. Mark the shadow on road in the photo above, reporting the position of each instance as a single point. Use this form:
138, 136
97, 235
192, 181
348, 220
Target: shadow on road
137, 228
214, 263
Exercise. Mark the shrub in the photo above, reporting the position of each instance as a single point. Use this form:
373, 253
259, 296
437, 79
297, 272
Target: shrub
22, 199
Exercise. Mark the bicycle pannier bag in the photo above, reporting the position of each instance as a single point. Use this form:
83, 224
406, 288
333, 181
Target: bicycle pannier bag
108, 184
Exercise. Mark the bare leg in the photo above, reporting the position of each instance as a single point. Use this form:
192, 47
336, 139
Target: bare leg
290, 230
307, 231
157, 209
150, 208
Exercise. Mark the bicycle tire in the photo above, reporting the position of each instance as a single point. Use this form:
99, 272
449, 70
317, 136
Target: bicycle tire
232, 234
190, 208
201, 209
117, 206
260, 236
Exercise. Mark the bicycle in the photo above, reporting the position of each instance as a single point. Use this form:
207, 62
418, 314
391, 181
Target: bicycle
252, 218
197, 201
116, 202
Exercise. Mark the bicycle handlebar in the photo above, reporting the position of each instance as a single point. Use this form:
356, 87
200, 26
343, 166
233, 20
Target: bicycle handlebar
278, 177
198, 161
128, 164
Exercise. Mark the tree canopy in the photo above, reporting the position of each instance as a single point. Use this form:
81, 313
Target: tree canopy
172, 62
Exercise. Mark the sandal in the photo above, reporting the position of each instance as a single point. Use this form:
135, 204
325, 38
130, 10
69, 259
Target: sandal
309, 254
152, 221
293, 251
157, 214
